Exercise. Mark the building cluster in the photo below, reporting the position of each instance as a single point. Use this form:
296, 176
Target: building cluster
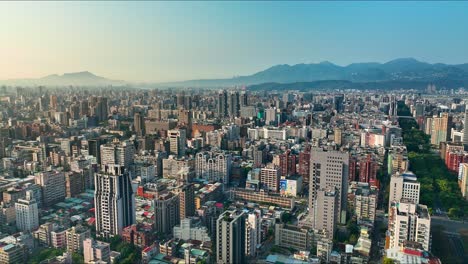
230, 176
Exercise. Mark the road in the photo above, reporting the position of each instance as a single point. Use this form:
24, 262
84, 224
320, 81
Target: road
450, 226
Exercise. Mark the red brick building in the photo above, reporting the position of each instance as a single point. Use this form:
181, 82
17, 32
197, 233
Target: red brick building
139, 235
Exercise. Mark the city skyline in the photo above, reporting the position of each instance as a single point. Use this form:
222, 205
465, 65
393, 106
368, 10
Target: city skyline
160, 41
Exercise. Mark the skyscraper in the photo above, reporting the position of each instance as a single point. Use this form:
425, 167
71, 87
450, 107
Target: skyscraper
441, 128
253, 232
222, 104
27, 214
167, 214
230, 237
177, 141
234, 104
139, 124
328, 170
187, 201
114, 199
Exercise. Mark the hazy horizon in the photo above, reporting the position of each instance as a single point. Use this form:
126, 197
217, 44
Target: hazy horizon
176, 41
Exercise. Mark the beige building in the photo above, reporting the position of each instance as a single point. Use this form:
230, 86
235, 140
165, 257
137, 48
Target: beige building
53, 186
326, 210
75, 237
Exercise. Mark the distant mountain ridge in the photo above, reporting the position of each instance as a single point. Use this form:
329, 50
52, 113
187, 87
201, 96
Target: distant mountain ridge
396, 71
84, 78
403, 69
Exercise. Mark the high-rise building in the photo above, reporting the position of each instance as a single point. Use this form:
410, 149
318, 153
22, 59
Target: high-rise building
187, 201
94, 251
75, 237
234, 104
177, 141
329, 170
139, 124
27, 214
304, 164
270, 116
213, 166
253, 235
338, 101
222, 104
409, 222
326, 210
287, 163
270, 178
53, 187
465, 127
404, 186
441, 129
167, 214
120, 153
114, 198
230, 237
463, 179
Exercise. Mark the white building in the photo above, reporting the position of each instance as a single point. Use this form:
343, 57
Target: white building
27, 214
94, 251
177, 141
188, 230
121, 153
329, 170
409, 222
114, 198
253, 236
404, 186
213, 166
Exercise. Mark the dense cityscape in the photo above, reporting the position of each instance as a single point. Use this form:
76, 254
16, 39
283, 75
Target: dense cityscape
118, 175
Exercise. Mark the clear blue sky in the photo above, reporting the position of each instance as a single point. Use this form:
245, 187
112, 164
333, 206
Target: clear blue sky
164, 41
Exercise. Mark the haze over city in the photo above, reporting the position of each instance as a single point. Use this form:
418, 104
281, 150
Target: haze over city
175, 41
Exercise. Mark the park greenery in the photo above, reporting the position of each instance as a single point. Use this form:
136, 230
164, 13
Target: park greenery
44, 254
439, 186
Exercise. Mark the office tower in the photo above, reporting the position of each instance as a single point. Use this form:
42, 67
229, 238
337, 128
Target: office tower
326, 210
75, 237
177, 141
167, 214
94, 251
270, 178
253, 234
329, 169
270, 116
234, 104
337, 136
230, 237
53, 187
304, 164
409, 222
27, 214
187, 201
393, 111
404, 186
139, 124
244, 99
338, 101
119, 153
94, 149
287, 163
114, 198
213, 167
222, 104
441, 129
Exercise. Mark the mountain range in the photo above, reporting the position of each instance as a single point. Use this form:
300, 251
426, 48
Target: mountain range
399, 71
84, 78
